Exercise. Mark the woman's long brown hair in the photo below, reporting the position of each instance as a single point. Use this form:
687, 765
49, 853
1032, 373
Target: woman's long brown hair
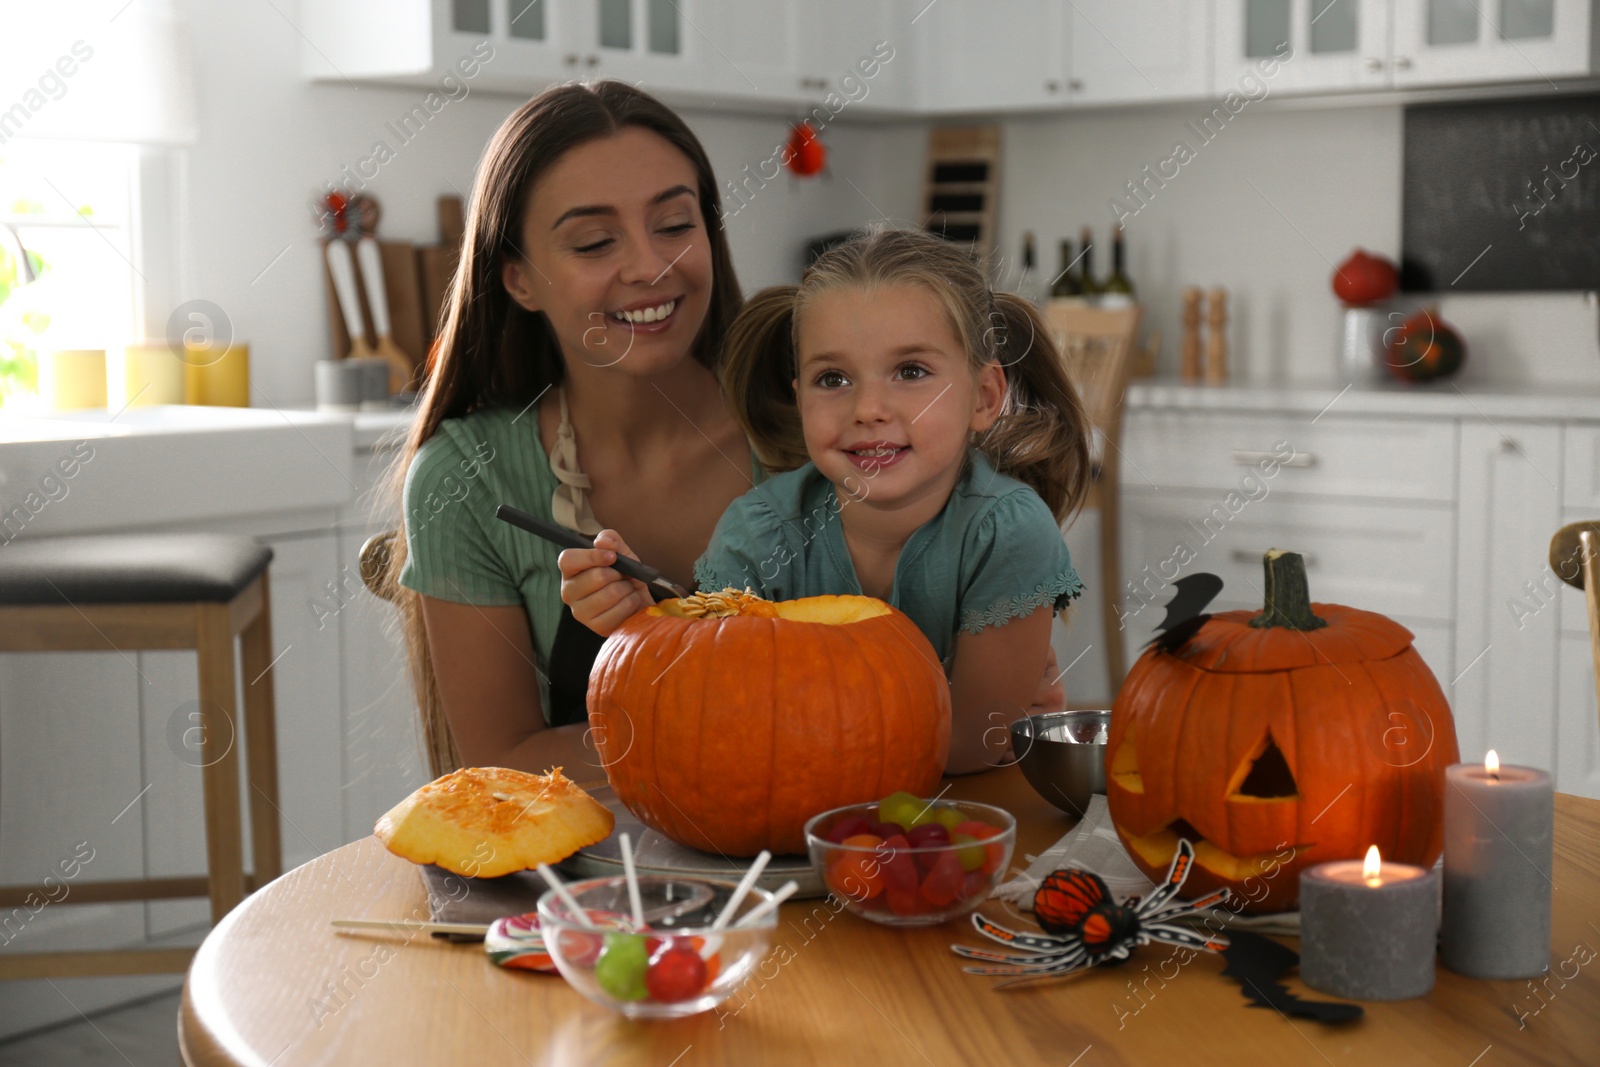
1042, 434
492, 352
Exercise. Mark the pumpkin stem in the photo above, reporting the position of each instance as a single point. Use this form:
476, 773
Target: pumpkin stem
1288, 600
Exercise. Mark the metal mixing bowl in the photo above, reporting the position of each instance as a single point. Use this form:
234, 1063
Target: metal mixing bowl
1063, 756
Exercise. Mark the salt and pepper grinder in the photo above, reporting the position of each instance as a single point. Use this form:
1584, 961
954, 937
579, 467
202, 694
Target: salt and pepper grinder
1499, 830
1189, 366
1217, 337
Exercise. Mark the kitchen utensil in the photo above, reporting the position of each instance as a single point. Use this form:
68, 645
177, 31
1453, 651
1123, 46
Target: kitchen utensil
400, 366
920, 884
1189, 355
1063, 756
340, 383
1217, 337
1361, 342
341, 266
374, 382
469, 929
660, 587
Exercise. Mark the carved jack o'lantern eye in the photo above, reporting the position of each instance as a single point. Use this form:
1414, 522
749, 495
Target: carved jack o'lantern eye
1125, 762
1264, 776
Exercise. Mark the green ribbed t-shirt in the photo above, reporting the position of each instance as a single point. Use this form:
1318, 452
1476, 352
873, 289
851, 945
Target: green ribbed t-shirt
457, 550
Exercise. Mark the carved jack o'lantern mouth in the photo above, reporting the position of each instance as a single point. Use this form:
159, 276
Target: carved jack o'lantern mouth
1263, 778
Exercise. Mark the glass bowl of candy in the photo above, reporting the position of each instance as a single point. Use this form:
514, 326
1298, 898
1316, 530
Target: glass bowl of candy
672, 966
907, 861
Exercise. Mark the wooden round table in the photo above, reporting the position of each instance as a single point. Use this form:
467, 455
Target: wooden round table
275, 985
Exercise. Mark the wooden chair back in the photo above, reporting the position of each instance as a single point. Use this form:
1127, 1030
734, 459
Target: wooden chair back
1575, 557
377, 555
1097, 346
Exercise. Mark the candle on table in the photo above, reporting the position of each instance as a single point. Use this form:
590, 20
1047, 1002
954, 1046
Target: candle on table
1499, 829
1367, 928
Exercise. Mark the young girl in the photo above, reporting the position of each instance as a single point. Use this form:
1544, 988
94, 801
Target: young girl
932, 444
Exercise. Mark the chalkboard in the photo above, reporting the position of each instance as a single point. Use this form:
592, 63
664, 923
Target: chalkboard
1502, 195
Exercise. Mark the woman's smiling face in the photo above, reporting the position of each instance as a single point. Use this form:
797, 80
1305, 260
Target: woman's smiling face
617, 255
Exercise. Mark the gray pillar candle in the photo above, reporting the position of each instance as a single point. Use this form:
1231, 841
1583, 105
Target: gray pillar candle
1368, 938
1499, 831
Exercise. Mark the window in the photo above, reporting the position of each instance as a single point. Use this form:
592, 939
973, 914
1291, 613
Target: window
72, 205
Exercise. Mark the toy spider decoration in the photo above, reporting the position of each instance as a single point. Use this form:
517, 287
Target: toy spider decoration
1087, 927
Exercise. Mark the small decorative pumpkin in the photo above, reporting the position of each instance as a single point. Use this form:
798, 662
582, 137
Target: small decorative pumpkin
725, 721
1365, 279
1278, 741
805, 153
1423, 348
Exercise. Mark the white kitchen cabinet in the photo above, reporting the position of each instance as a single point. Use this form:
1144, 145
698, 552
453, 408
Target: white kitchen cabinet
1577, 765
753, 50
1581, 491
837, 36
983, 57
1333, 45
1332, 456
1138, 50
1454, 42
1506, 658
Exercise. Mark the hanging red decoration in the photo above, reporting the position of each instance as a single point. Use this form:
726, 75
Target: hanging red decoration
805, 155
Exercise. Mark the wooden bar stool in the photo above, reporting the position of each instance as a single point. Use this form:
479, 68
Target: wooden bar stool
160, 591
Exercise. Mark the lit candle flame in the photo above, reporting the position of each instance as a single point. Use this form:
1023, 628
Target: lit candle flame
1372, 867
1491, 763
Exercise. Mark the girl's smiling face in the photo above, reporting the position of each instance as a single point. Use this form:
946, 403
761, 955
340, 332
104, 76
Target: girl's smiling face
616, 253
887, 393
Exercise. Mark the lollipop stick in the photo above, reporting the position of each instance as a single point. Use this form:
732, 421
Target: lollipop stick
760, 910
579, 916
741, 890
633, 881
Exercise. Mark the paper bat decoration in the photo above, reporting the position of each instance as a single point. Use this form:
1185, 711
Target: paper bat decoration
1257, 962
1186, 611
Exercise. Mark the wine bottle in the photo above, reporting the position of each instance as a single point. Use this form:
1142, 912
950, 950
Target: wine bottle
1028, 285
1066, 284
1091, 288
1118, 289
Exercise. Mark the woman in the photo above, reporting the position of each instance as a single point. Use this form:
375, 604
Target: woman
583, 326
576, 379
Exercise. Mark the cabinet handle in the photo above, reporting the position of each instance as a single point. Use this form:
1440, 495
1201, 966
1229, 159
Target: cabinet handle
1075, 84
593, 61
1508, 445
571, 59
1244, 555
1250, 459
1374, 64
1402, 63
1052, 86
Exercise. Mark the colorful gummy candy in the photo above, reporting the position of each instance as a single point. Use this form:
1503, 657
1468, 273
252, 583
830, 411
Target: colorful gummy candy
899, 858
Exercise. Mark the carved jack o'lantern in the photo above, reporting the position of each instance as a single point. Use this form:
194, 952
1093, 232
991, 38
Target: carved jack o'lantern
1278, 741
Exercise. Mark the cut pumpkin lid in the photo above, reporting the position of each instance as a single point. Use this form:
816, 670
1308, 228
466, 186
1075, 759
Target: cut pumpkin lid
1228, 644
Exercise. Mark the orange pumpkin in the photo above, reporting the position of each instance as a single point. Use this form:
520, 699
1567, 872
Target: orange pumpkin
725, 721
1278, 741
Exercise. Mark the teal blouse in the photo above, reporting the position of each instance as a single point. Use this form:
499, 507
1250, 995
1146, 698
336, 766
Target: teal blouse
995, 553
457, 550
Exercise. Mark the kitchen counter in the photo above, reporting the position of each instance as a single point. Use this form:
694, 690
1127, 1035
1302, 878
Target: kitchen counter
1443, 400
167, 464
